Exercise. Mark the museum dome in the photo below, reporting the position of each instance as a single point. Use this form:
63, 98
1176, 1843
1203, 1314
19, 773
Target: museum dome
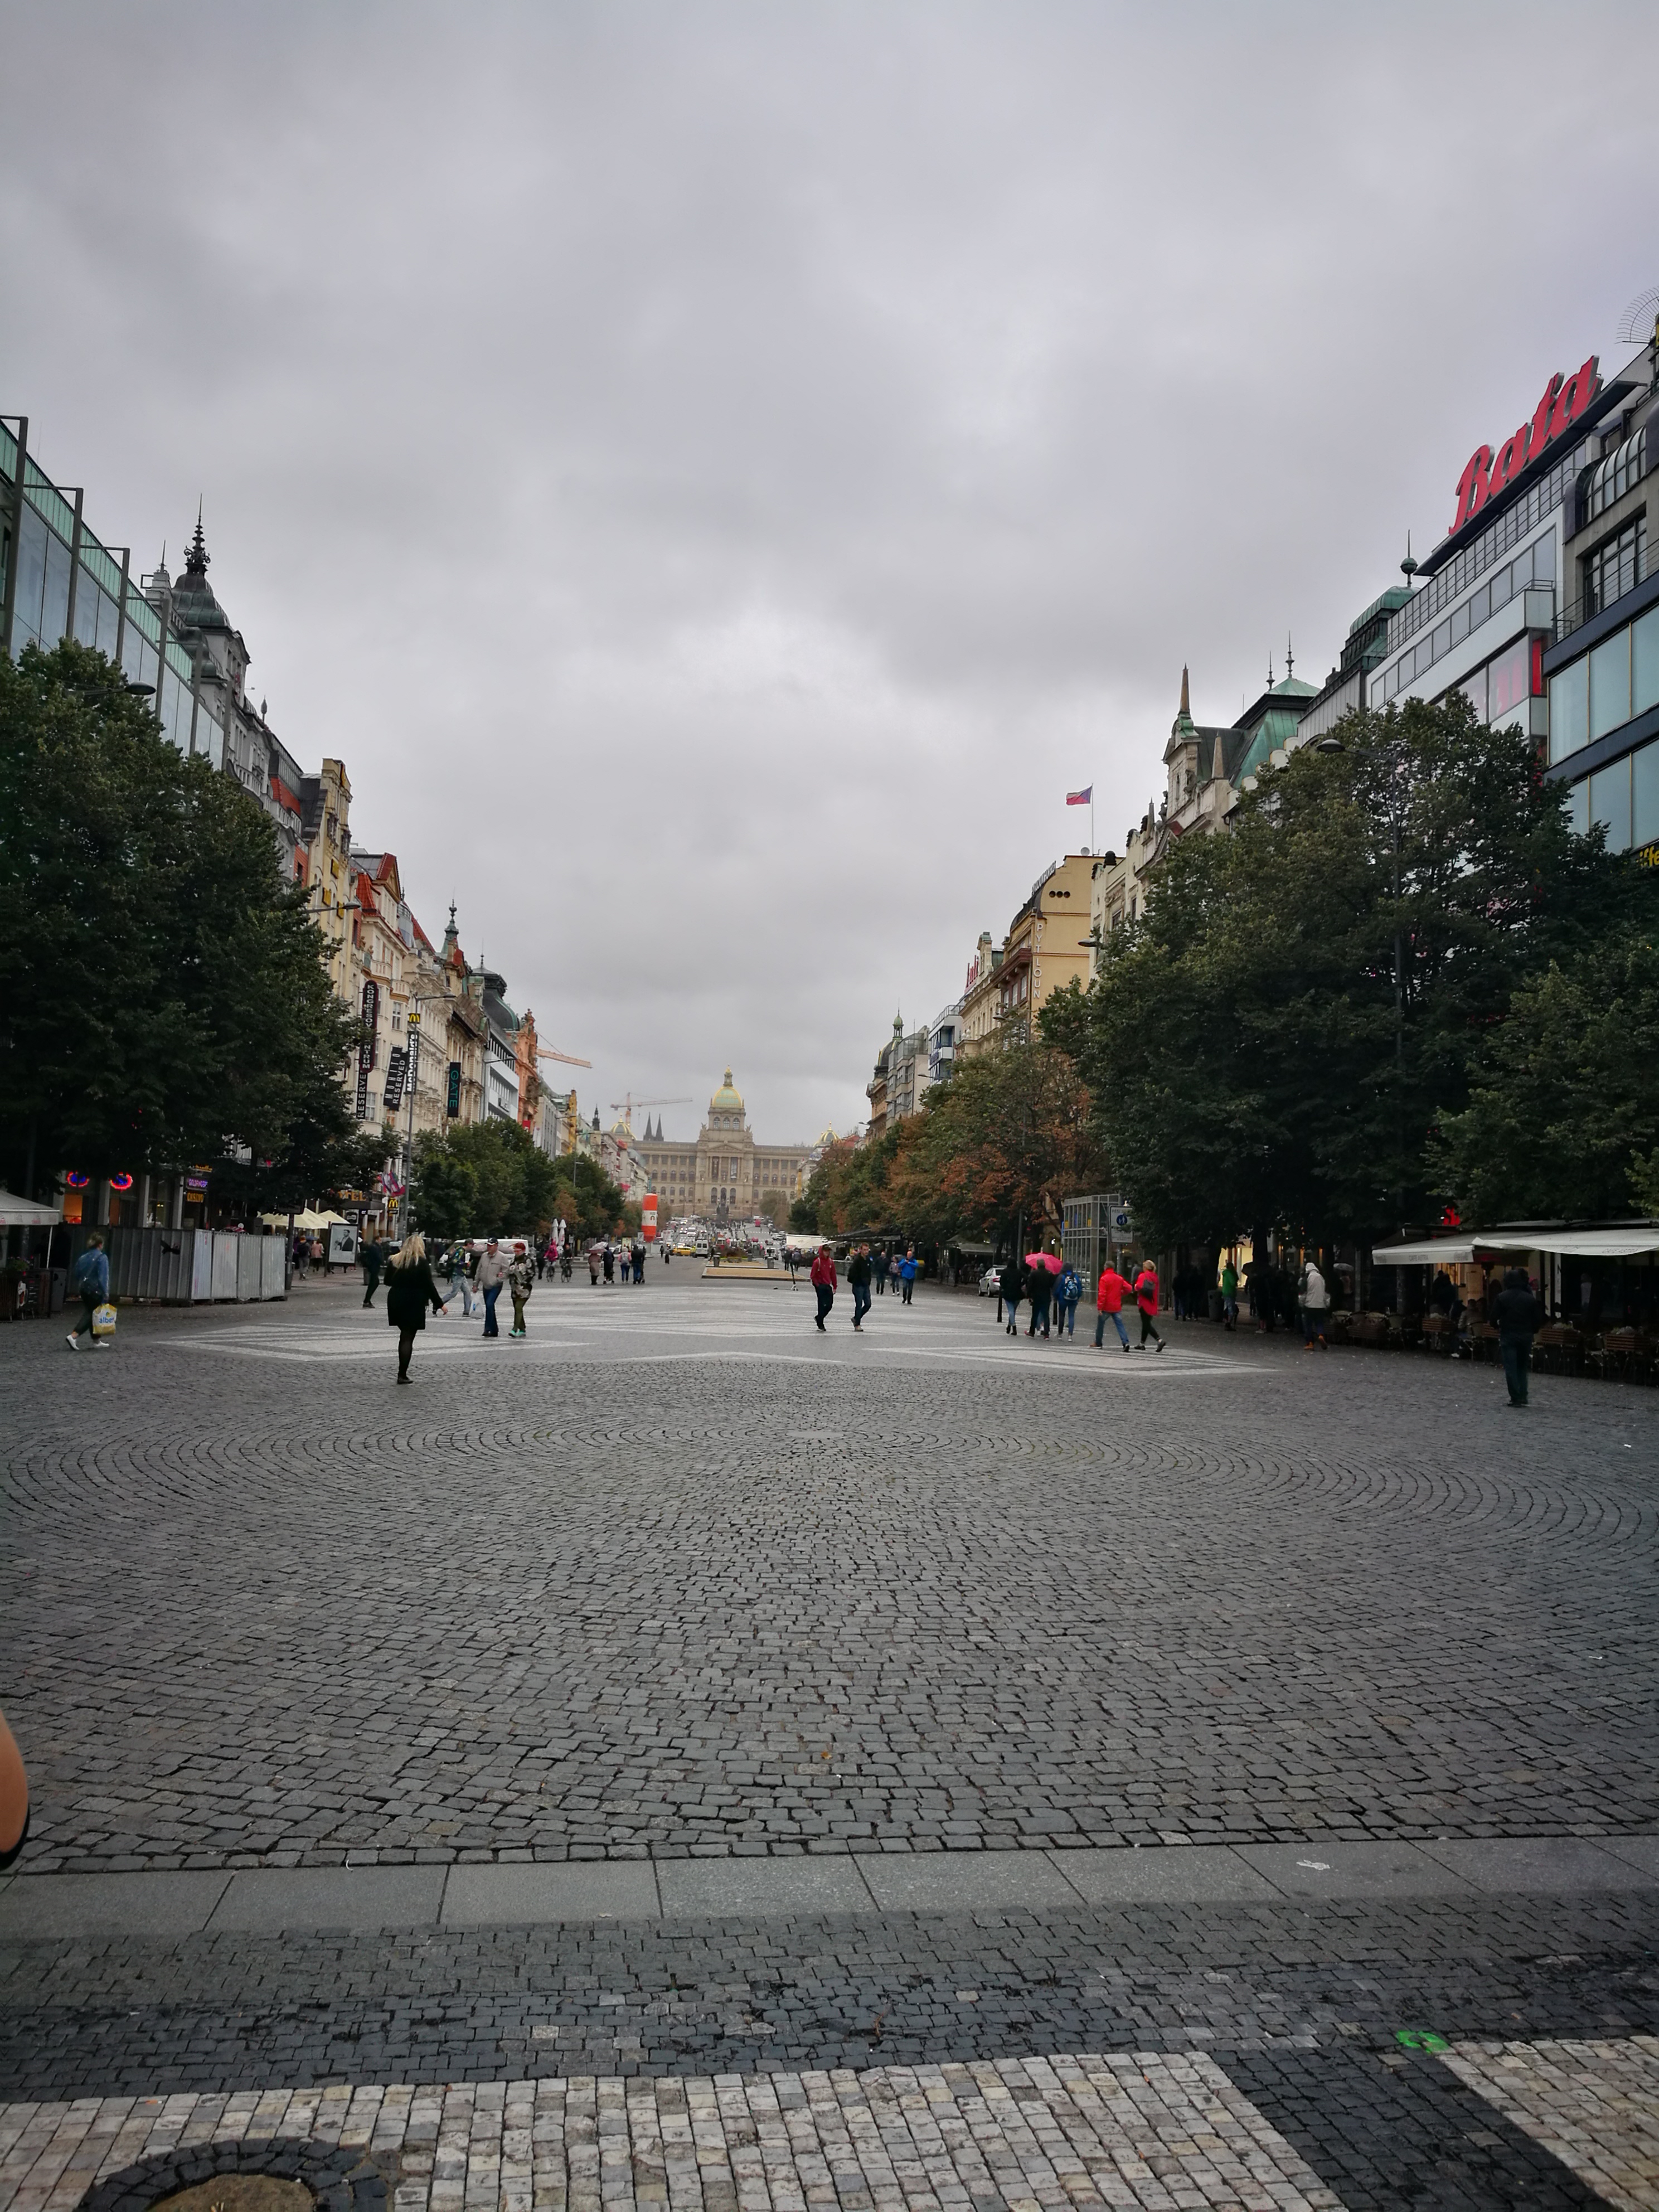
728, 1099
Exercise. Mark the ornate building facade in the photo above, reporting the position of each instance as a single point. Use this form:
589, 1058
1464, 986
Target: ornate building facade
726, 1172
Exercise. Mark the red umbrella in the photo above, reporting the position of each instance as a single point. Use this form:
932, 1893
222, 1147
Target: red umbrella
1051, 1260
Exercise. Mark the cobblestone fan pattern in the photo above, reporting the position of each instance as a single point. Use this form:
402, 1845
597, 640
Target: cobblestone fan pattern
1135, 2130
1594, 2105
1126, 2129
223, 2013
601, 1596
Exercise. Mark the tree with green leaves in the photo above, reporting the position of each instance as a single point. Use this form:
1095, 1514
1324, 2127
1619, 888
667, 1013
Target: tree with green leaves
163, 996
1308, 994
482, 1179
1564, 1109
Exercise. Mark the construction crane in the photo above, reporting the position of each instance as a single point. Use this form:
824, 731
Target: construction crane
546, 1052
628, 1102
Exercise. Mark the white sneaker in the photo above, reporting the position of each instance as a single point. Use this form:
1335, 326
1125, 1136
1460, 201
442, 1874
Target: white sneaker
102, 1344
73, 1342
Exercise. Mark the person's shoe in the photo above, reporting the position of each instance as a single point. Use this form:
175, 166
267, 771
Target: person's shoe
73, 1342
1161, 1341
1126, 1347
102, 1344
403, 1378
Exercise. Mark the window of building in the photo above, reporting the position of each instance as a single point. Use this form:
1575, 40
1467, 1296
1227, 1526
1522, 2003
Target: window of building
1610, 803
1644, 795
1570, 709
1644, 662
1616, 567
1609, 684
1612, 478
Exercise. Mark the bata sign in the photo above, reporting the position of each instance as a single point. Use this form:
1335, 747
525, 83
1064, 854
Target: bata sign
1558, 410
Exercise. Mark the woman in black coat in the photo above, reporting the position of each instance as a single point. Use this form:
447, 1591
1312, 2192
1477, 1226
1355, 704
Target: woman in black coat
409, 1290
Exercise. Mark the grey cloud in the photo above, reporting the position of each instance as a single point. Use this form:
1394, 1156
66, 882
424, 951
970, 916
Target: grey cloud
718, 474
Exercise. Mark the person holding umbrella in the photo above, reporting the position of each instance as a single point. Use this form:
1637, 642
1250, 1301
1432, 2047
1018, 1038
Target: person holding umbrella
1041, 1269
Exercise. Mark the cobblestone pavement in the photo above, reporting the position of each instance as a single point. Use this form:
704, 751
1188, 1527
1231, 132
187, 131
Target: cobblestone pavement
1132, 2128
677, 1580
680, 1576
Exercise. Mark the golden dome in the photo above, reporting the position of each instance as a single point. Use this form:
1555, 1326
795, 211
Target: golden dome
726, 1099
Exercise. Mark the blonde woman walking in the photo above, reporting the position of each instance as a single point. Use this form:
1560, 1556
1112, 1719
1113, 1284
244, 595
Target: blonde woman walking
409, 1290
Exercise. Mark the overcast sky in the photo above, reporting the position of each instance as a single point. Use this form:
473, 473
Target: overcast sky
718, 474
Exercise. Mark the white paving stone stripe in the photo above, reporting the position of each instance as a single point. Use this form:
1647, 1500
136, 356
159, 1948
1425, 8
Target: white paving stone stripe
1593, 2105
1125, 2130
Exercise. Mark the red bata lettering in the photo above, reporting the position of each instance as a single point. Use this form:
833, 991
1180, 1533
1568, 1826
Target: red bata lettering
1561, 407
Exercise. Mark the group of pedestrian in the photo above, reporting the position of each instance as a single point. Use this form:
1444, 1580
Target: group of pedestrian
866, 1272
1046, 1283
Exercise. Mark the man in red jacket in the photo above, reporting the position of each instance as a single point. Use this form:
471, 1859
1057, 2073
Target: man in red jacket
1108, 1299
823, 1281
1146, 1299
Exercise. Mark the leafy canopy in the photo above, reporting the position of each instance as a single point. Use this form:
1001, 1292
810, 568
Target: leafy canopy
163, 999
1250, 1062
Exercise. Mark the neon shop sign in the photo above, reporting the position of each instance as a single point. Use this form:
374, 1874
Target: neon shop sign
1488, 473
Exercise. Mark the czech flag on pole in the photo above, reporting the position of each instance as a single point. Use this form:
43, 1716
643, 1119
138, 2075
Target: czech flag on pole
1081, 798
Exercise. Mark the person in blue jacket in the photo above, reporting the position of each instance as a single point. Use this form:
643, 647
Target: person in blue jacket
907, 1267
90, 1283
1068, 1291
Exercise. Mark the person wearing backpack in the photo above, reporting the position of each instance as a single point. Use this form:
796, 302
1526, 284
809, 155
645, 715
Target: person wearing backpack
90, 1283
1068, 1291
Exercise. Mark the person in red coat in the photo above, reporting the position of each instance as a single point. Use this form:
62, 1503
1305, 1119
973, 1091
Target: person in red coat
1108, 1299
823, 1281
1146, 1299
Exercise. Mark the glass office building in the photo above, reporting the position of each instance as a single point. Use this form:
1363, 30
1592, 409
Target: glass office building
58, 580
1602, 665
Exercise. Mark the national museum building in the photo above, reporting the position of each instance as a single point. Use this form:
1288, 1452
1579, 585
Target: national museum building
725, 1174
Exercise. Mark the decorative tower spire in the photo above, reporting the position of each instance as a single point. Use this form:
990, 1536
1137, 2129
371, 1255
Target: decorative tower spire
1408, 567
195, 561
1186, 703
1289, 659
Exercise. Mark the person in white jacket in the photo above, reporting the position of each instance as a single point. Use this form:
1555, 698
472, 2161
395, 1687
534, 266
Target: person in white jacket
1315, 1301
492, 1273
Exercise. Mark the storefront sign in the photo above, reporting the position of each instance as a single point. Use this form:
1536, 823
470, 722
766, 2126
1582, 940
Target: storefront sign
453, 1099
120, 1182
368, 1044
397, 1067
1561, 407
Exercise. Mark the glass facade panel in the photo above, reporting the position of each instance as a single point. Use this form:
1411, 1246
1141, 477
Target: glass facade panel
1644, 662
1644, 795
31, 582
86, 597
1509, 680
1578, 808
54, 600
1569, 709
1609, 684
1475, 690
107, 624
1609, 804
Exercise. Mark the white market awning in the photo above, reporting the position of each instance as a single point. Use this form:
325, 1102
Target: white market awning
24, 1214
1424, 1252
1628, 1243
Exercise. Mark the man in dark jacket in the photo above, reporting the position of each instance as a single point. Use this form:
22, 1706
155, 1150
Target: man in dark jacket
1011, 1289
372, 1256
858, 1281
1517, 1317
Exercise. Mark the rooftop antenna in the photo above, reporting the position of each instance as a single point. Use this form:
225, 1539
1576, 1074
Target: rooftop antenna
1289, 659
1637, 323
1408, 566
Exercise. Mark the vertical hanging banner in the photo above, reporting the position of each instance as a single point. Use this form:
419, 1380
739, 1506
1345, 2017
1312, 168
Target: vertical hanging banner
452, 1101
397, 1064
366, 1044
648, 1217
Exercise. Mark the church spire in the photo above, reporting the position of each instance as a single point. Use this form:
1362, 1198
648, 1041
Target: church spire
195, 561
1186, 703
